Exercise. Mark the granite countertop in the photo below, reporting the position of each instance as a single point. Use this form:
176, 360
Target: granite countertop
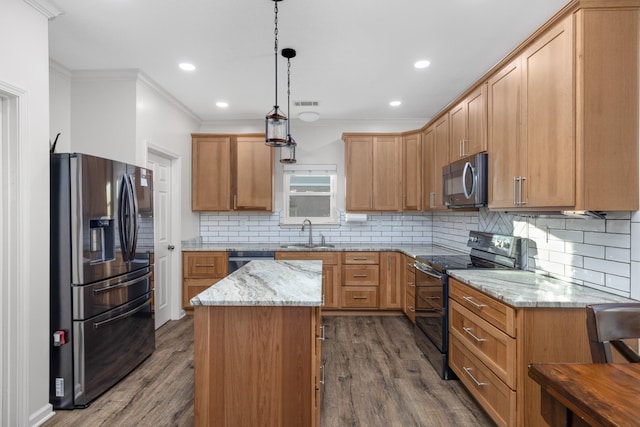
409, 250
267, 283
520, 288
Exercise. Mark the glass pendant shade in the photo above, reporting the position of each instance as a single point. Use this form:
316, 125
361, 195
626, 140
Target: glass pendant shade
288, 152
275, 128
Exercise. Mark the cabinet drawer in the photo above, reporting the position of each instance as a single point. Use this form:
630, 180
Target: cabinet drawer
192, 287
359, 297
327, 258
361, 258
497, 399
493, 347
205, 264
360, 275
493, 311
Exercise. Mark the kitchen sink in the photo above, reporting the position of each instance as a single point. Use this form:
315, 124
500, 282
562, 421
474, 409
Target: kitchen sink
307, 246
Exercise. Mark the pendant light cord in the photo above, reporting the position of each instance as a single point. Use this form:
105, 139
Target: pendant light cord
275, 49
289, 97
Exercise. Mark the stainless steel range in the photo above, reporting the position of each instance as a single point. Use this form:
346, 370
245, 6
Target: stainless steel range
432, 290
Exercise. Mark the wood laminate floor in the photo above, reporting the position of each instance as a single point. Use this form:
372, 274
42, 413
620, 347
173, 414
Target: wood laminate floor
374, 376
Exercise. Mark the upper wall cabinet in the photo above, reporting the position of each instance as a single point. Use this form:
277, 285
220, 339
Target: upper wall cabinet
373, 172
412, 172
435, 155
231, 172
469, 125
563, 117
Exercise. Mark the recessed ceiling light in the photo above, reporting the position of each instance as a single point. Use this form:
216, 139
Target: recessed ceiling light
422, 64
187, 67
395, 103
222, 104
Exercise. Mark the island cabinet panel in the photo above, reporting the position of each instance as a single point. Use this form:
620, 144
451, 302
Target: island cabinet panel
330, 272
256, 366
200, 270
492, 343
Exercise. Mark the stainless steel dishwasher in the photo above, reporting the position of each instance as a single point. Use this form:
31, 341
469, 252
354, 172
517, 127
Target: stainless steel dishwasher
239, 258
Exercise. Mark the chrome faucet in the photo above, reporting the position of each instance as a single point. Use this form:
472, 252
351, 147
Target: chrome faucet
310, 230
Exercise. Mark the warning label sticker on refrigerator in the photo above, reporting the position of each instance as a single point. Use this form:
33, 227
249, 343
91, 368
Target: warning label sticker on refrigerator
59, 387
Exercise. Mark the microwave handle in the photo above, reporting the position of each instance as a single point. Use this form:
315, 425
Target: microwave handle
468, 167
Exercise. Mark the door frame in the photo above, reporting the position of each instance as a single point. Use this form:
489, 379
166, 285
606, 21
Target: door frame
175, 281
15, 286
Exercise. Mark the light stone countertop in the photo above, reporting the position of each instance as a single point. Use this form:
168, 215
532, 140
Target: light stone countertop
267, 283
520, 288
409, 250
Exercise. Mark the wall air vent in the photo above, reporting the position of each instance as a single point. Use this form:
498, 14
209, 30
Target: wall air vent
306, 103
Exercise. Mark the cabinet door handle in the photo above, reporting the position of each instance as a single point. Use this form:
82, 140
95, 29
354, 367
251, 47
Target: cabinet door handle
468, 372
321, 337
410, 307
522, 202
359, 297
432, 199
473, 303
460, 148
468, 331
205, 265
515, 185
411, 285
322, 374
359, 275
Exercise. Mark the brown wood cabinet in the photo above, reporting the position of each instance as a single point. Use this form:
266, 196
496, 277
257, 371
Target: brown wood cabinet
360, 280
563, 116
391, 285
469, 125
200, 270
409, 280
412, 172
435, 155
491, 345
330, 272
373, 172
231, 172
257, 365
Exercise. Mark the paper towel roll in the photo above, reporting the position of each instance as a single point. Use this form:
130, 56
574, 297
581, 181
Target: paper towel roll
355, 217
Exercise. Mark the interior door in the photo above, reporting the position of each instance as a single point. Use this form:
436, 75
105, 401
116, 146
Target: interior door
163, 243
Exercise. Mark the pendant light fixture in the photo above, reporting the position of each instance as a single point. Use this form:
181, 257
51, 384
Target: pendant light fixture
288, 151
275, 121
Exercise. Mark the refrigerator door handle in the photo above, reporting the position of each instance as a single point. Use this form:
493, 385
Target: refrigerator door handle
122, 223
134, 219
126, 314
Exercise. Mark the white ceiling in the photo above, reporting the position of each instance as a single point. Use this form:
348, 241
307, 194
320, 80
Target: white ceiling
353, 56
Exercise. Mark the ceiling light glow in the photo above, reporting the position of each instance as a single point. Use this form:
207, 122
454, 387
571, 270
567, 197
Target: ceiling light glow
395, 103
422, 64
222, 104
187, 67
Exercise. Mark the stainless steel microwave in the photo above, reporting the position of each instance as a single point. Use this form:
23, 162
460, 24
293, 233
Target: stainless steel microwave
464, 182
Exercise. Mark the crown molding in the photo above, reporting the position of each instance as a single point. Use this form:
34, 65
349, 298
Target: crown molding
45, 7
146, 80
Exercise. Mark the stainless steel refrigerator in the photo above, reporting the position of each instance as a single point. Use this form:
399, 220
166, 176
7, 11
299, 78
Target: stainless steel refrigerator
101, 239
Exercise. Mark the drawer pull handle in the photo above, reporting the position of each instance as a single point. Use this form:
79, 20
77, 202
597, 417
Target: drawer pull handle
359, 297
432, 298
205, 265
468, 372
411, 285
321, 337
359, 275
475, 304
468, 331
360, 259
410, 307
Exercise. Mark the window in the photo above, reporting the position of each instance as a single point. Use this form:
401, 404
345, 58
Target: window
309, 192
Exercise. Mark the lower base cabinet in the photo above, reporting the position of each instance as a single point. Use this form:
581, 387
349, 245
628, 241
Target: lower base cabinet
200, 270
491, 345
257, 366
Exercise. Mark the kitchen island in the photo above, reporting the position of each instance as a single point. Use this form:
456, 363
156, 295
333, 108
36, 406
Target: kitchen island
257, 346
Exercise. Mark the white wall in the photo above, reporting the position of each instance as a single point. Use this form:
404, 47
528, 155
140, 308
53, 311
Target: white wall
60, 106
24, 65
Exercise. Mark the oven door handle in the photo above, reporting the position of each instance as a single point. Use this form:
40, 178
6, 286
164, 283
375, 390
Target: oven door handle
428, 273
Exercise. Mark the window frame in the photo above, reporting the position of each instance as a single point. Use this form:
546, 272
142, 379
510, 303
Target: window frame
318, 170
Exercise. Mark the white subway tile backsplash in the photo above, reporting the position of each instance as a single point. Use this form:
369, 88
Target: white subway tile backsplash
608, 239
603, 254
